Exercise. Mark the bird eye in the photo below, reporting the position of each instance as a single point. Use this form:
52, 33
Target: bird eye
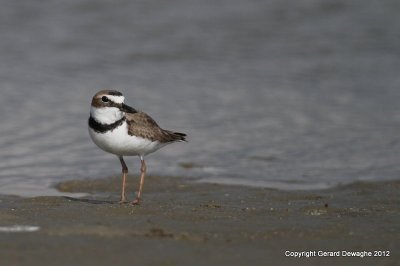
104, 99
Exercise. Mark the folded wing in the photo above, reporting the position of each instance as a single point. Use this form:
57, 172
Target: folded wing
142, 125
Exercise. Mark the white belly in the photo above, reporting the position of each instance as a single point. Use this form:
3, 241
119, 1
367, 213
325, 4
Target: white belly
119, 142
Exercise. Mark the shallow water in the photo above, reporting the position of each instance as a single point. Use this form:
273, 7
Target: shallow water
281, 94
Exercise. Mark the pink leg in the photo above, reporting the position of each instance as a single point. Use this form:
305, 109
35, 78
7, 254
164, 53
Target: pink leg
143, 169
124, 175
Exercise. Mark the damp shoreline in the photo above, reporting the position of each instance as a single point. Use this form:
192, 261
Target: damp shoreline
183, 222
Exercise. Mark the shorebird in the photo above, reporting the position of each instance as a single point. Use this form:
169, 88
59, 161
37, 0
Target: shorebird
124, 131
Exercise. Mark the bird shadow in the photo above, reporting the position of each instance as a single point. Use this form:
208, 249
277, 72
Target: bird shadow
90, 201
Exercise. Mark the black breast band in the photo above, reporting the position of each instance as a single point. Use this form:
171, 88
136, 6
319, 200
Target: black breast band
103, 128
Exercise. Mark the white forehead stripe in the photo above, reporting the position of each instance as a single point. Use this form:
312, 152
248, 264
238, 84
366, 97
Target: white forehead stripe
116, 99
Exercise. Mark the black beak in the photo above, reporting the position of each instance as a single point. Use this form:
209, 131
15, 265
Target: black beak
127, 109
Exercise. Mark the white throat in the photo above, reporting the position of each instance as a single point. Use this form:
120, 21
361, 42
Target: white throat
106, 115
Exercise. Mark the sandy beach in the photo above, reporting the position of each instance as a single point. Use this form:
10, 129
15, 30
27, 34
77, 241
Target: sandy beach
182, 223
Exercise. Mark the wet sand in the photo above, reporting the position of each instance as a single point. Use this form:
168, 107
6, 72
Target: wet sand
182, 223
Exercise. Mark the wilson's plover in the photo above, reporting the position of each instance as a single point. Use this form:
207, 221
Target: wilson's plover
124, 131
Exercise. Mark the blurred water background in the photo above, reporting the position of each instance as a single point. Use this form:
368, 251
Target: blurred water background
272, 93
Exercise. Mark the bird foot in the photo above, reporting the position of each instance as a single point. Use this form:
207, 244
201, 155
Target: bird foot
136, 201
122, 201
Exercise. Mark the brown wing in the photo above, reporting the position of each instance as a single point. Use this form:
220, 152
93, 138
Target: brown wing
142, 125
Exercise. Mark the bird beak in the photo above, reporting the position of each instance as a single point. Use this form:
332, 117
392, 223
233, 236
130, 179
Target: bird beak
127, 109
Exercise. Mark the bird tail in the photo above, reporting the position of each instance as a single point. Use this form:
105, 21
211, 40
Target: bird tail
174, 136
179, 136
